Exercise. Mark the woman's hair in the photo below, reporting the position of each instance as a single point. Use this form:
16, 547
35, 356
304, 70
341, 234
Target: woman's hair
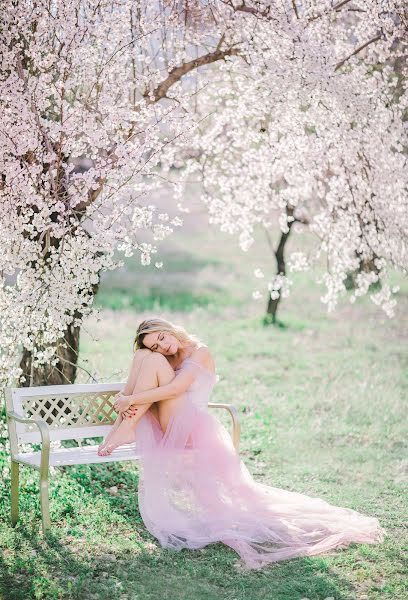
156, 324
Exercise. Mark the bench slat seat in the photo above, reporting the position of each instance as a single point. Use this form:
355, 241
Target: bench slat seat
67, 412
85, 455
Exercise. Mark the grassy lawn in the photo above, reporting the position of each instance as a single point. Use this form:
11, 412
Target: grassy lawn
323, 409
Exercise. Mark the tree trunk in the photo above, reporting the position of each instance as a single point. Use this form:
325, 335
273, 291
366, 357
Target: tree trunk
273, 303
365, 266
63, 372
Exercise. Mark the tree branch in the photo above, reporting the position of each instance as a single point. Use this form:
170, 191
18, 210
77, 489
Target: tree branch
340, 5
252, 10
161, 92
266, 12
336, 8
178, 72
357, 50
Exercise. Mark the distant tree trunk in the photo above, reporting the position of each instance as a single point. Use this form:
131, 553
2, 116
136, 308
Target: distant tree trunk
365, 266
273, 303
279, 253
63, 372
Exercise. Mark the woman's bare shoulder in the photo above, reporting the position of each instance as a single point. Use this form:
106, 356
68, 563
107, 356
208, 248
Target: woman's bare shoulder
203, 356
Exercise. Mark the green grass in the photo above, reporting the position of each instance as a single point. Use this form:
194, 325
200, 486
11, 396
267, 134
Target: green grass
178, 286
156, 300
323, 409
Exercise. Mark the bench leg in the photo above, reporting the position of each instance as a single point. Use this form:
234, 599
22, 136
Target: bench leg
45, 506
15, 478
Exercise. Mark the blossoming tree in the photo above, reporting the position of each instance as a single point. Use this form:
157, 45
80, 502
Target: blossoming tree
312, 129
96, 94
88, 94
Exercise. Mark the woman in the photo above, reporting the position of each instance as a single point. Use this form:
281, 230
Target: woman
194, 489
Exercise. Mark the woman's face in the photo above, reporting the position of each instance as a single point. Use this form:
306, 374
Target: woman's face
161, 341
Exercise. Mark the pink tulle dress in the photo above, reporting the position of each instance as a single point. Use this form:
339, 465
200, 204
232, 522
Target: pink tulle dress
194, 490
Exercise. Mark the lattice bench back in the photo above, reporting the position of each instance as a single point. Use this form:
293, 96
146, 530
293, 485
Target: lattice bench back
71, 411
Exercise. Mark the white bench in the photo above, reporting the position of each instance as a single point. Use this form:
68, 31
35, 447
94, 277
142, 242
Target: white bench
66, 412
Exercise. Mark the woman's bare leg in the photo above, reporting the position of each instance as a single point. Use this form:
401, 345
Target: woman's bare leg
154, 370
137, 361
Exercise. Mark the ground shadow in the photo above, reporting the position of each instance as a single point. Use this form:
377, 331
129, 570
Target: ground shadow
130, 565
57, 571
212, 573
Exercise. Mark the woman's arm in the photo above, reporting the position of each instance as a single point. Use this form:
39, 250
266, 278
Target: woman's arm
176, 387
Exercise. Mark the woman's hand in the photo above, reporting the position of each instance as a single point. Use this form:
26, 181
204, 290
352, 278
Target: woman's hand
130, 412
122, 403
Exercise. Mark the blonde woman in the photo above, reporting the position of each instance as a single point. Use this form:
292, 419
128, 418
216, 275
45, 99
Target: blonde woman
193, 488
160, 349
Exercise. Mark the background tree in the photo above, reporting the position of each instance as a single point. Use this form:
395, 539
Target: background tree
314, 130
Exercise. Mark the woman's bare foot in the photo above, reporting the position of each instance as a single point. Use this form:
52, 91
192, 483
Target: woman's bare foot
110, 434
124, 434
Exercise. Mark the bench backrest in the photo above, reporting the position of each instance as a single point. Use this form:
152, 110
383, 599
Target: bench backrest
71, 411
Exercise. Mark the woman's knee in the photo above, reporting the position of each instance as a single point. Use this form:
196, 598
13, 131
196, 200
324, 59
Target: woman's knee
157, 360
142, 352
161, 367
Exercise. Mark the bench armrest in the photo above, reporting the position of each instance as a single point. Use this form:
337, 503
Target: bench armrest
236, 425
45, 437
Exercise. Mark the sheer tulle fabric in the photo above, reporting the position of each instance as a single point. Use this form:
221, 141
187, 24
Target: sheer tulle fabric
194, 490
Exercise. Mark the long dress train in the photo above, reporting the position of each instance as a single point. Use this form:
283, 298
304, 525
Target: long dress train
194, 490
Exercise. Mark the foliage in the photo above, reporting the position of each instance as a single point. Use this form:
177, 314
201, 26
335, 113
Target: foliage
83, 88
